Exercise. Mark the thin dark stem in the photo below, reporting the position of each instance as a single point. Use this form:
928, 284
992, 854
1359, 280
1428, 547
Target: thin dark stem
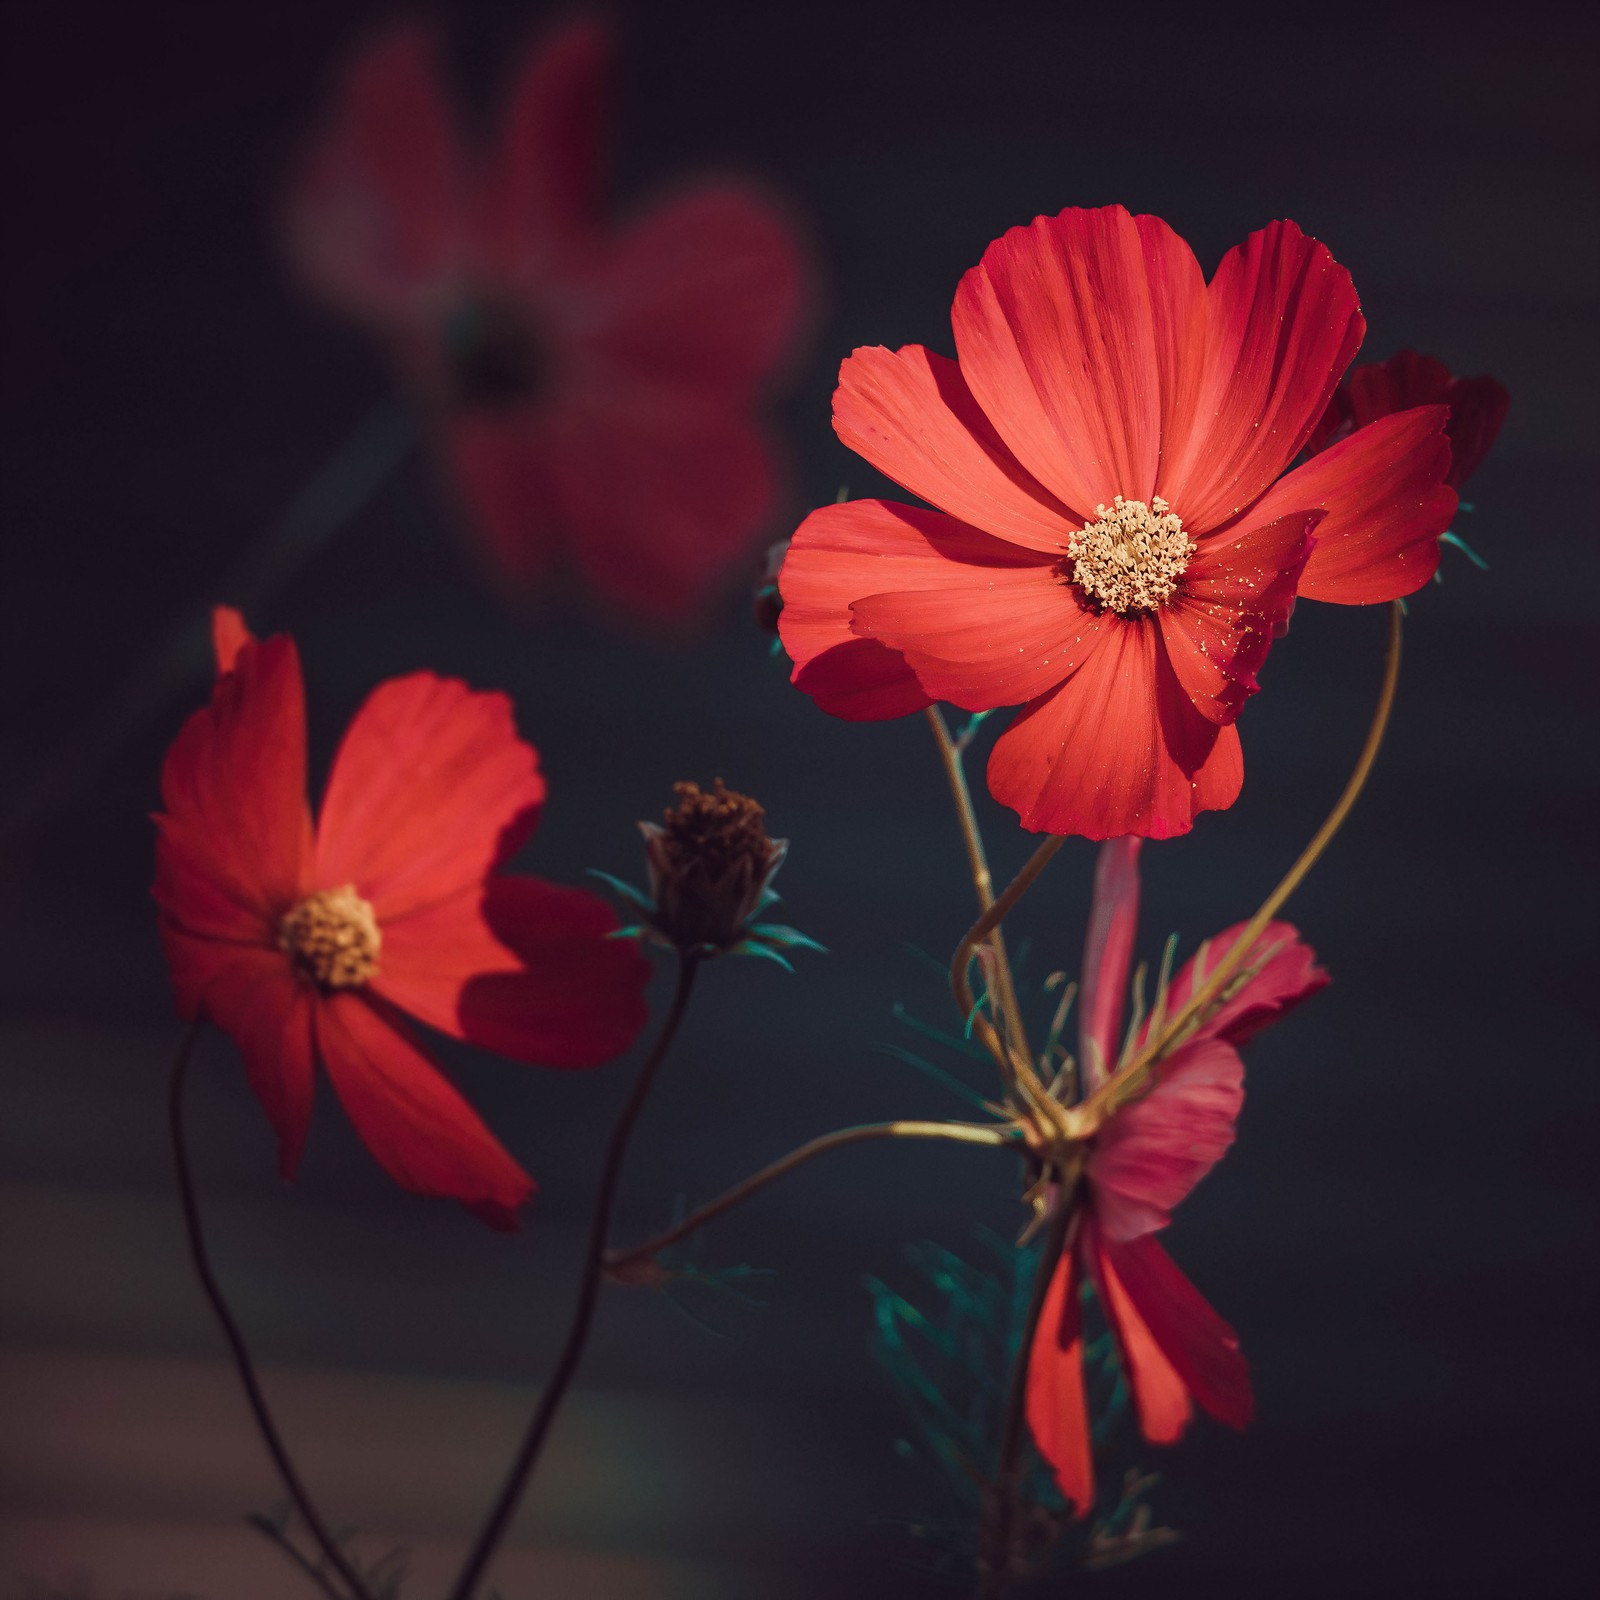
594, 1272
231, 1331
995, 1559
281, 1541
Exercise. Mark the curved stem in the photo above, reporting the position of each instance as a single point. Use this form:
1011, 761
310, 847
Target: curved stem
994, 1570
235, 1337
961, 1132
951, 755
1189, 1016
555, 1391
991, 919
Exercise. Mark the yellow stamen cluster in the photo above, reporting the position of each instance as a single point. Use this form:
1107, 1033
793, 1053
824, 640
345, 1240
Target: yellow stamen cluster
332, 938
1132, 558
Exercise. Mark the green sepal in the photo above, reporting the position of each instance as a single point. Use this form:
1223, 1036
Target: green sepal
634, 896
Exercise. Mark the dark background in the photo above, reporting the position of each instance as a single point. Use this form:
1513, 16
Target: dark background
1404, 1235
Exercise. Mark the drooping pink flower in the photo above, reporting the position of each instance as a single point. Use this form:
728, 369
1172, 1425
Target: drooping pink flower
1117, 540
1477, 406
313, 944
1176, 1351
591, 387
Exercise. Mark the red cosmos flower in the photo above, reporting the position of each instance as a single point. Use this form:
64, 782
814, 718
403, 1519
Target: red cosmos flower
590, 388
1478, 406
308, 944
1175, 1348
1114, 547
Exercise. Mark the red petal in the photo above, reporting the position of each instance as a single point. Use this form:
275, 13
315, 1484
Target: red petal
1235, 599
1153, 1152
542, 192
909, 412
1384, 493
1478, 408
1169, 1334
1000, 633
843, 553
235, 842
431, 789
1283, 324
255, 998
1107, 955
501, 467
1159, 1393
1058, 343
422, 1133
375, 217
1288, 975
862, 681
706, 292
229, 635
1116, 749
1058, 1415
520, 967
1179, 310
664, 494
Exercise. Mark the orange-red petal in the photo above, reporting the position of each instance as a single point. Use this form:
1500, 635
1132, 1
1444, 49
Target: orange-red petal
1058, 1413
420, 1131
1160, 1396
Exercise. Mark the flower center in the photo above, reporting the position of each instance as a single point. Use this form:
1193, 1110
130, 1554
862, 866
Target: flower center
1132, 558
332, 938
496, 358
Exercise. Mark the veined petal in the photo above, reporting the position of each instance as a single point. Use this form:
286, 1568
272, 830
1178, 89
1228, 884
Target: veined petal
909, 412
1003, 636
1057, 342
1288, 974
1283, 323
1152, 1153
520, 967
1058, 1414
1171, 1335
421, 1132
235, 840
1107, 956
431, 789
1385, 500
1117, 749
843, 553
375, 214
1235, 598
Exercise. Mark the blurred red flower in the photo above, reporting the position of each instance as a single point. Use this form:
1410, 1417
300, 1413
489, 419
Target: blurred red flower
591, 388
1114, 547
1175, 1349
308, 944
1478, 406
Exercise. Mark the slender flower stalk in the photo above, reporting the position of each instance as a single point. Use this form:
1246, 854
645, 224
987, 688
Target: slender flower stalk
238, 1348
619, 1261
594, 1273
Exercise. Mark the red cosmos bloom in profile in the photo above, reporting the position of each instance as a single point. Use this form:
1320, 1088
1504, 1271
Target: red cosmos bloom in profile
1115, 544
590, 388
1175, 1348
1478, 406
308, 944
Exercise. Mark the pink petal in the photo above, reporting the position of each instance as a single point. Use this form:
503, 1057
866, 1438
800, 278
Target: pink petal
1283, 324
1288, 975
909, 412
706, 291
1153, 1152
520, 967
431, 789
1058, 343
1117, 749
1234, 600
1180, 1332
1058, 1415
1107, 956
422, 1133
1386, 503
1000, 634
843, 553
235, 840
374, 216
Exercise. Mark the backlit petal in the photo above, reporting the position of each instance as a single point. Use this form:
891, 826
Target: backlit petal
1058, 1415
1160, 1395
